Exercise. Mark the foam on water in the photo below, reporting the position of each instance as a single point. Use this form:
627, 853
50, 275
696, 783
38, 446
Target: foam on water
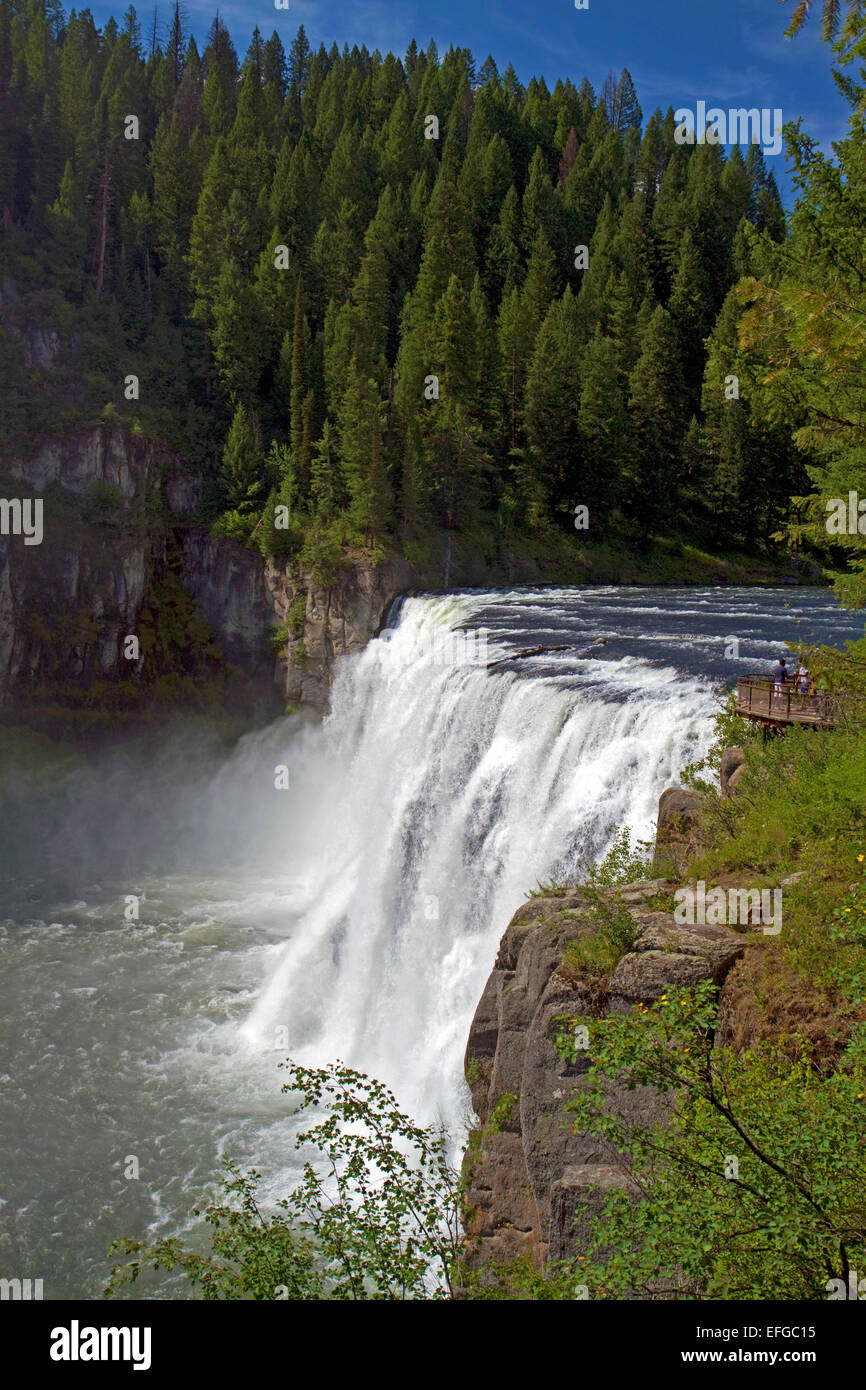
355, 915
442, 794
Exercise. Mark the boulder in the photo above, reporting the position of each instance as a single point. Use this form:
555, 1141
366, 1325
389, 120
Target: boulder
669, 956
730, 773
676, 831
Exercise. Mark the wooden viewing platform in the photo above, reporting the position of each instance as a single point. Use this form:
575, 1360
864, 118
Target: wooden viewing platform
757, 699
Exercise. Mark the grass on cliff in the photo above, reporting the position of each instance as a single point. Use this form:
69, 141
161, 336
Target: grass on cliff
800, 809
592, 957
496, 550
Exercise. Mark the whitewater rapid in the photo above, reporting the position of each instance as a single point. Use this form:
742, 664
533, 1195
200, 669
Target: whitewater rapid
437, 793
354, 913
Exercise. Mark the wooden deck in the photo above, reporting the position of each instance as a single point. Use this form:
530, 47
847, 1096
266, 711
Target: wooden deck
757, 699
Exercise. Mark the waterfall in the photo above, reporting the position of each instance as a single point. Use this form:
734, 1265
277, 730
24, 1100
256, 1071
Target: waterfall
354, 914
432, 799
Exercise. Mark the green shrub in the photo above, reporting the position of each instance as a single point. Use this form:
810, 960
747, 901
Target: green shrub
322, 553
473, 1071
375, 1216
502, 1112
102, 504
297, 617
755, 1188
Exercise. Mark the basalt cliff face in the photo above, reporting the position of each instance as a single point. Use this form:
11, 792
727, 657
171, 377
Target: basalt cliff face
334, 621
118, 516
533, 1185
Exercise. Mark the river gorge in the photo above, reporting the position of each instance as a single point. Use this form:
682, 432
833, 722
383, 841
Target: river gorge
179, 912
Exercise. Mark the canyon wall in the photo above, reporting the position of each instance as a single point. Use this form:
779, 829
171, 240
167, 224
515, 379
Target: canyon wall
533, 1185
118, 514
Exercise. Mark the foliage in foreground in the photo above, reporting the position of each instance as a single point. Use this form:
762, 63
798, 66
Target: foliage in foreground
374, 1217
756, 1186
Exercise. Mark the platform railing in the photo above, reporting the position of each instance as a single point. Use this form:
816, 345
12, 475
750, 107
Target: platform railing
759, 697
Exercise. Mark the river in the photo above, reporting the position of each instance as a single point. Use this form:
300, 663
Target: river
173, 922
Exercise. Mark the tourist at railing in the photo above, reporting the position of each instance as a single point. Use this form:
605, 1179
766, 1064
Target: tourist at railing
800, 697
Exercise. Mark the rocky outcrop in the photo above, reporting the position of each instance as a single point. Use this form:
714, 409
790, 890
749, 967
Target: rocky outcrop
731, 771
117, 509
227, 580
67, 603
676, 832
532, 1183
324, 623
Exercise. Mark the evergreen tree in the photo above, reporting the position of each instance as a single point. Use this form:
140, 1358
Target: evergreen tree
327, 481
515, 346
275, 68
541, 285
656, 416
553, 402
361, 456
243, 459
692, 312
299, 64
301, 443
220, 66
602, 428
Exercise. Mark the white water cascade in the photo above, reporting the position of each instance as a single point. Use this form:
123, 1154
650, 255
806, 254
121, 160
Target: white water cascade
354, 915
424, 809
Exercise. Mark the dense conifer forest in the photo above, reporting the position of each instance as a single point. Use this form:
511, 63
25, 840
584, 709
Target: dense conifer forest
377, 299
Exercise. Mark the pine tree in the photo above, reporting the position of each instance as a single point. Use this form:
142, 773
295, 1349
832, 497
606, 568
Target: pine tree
220, 66
541, 207
515, 346
656, 414
243, 459
503, 258
541, 285
361, 456
553, 401
276, 70
68, 226
603, 428
236, 333
327, 482
299, 64
569, 155
691, 309
177, 171
301, 444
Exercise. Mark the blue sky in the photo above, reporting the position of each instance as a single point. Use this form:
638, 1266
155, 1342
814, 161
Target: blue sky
678, 51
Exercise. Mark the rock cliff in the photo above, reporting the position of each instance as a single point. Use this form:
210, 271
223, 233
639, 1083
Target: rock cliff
67, 603
532, 1183
331, 621
118, 513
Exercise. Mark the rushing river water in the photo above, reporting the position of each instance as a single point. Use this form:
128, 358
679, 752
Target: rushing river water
356, 913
